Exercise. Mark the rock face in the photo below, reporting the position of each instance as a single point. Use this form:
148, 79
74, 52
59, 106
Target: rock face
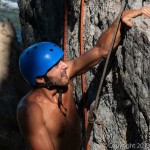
124, 100
12, 88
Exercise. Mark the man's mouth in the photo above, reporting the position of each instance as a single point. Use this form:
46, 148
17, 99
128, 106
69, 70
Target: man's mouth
63, 74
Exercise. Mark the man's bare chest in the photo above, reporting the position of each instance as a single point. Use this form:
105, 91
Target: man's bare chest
63, 125
63, 118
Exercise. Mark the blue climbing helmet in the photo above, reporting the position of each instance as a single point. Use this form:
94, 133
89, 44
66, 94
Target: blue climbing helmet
38, 59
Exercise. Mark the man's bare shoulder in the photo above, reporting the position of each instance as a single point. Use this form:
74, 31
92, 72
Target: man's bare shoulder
28, 100
25, 106
29, 113
32, 104
28, 106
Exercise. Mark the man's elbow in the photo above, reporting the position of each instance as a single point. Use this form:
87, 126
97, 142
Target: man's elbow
105, 53
100, 52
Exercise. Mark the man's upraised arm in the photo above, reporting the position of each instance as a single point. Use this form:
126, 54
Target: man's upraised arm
101, 48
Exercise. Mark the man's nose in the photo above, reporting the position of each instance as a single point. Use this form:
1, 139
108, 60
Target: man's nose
63, 65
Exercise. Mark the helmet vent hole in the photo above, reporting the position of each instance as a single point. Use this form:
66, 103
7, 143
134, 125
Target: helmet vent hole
35, 47
51, 50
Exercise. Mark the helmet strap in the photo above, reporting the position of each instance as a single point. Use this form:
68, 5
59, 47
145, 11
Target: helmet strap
46, 79
60, 91
49, 86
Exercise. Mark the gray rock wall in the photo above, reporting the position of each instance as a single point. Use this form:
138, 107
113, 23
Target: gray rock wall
124, 101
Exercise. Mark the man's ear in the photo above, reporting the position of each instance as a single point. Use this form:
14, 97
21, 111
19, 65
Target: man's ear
40, 80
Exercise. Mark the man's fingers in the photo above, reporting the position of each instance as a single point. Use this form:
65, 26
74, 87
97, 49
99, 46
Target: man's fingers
128, 22
128, 15
146, 11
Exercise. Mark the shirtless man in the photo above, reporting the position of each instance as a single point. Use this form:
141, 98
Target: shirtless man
47, 115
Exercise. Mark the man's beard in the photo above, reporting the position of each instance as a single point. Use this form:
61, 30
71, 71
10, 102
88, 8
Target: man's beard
56, 82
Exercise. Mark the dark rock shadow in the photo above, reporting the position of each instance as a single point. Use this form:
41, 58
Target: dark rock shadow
13, 87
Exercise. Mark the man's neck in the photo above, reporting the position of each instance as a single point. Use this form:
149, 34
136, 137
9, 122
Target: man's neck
50, 94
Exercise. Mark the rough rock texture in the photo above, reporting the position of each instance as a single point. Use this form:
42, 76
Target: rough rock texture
12, 88
124, 101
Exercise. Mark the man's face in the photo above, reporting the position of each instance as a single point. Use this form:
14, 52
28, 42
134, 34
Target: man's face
57, 75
